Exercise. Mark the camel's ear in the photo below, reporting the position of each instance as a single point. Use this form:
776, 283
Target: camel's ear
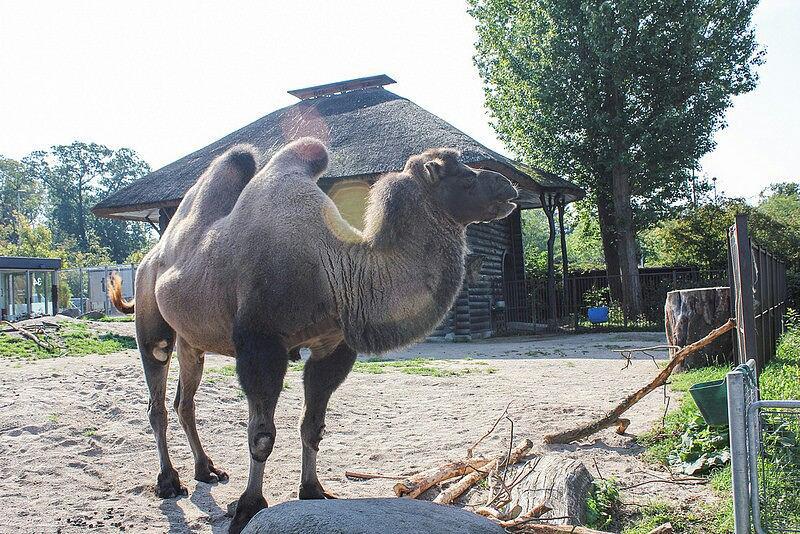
434, 169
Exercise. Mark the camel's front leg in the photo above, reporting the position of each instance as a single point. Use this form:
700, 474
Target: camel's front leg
321, 377
261, 363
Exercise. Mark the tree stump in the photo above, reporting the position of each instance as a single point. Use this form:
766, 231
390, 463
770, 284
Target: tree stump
562, 484
690, 314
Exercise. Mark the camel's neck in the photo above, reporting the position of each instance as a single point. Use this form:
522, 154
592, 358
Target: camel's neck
407, 272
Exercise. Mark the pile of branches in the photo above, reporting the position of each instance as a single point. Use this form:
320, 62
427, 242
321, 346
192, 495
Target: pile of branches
44, 334
471, 470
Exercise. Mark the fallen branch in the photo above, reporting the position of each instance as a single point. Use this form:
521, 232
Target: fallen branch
457, 489
31, 336
613, 417
497, 422
418, 484
370, 476
534, 513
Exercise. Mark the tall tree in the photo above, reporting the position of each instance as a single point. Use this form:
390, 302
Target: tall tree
77, 176
622, 96
18, 192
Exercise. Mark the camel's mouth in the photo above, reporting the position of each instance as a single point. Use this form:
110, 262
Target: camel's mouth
500, 210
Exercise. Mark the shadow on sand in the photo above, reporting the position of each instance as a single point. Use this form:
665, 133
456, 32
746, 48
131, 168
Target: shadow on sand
201, 497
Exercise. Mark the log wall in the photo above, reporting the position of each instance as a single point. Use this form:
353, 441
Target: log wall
471, 315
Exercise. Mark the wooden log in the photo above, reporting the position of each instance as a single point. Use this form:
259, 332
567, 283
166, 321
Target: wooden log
418, 484
613, 417
456, 490
562, 484
689, 314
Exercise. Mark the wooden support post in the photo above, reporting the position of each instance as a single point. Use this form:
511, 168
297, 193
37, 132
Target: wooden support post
564, 259
742, 281
548, 206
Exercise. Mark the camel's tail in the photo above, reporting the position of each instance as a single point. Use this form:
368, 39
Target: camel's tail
115, 294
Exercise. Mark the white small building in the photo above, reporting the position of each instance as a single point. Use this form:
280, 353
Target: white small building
28, 287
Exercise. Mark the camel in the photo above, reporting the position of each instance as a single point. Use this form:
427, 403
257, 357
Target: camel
259, 265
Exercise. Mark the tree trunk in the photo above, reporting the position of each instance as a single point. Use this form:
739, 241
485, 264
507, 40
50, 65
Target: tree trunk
626, 244
608, 234
689, 314
562, 484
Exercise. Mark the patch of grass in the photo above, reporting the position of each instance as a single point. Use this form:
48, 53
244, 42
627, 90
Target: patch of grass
683, 520
53, 418
779, 380
117, 319
78, 339
416, 366
89, 432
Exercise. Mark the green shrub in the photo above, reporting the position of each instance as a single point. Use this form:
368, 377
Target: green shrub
602, 504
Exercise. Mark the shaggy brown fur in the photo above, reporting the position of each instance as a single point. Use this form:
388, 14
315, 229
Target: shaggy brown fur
257, 267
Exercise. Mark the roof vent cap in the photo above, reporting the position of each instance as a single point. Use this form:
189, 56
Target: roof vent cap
307, 93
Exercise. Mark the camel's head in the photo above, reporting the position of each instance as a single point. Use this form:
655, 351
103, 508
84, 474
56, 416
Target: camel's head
467, 195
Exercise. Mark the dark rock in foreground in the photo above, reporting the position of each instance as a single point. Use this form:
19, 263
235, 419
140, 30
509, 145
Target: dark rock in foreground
368, 516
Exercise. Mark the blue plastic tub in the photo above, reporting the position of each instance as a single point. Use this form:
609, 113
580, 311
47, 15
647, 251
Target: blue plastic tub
598, 314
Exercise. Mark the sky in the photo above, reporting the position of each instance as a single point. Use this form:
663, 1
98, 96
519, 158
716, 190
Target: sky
167, 78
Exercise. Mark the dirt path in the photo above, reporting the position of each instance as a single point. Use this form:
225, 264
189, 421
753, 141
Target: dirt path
77, 452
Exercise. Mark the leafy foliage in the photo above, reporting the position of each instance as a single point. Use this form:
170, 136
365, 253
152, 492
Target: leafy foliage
702, 449
602, 503
18, 193
622, 96
46, 202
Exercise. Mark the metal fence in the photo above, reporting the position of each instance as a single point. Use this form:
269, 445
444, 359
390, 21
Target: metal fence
88, 287
758, 293
765, 457
528, 301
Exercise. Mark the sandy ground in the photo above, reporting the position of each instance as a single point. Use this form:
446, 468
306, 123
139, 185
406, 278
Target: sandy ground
77, 454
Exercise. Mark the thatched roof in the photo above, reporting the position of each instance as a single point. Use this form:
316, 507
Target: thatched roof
368, 131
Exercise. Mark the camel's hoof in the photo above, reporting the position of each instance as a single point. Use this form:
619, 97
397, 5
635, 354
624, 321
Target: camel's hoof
245, 509
210, 474
169, 485
314, 491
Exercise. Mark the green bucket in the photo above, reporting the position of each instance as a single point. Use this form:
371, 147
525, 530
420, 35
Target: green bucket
712, 400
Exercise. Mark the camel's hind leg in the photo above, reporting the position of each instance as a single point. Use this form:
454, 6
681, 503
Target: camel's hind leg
191, 371
155, 373
261, 363
156, 340
320, 379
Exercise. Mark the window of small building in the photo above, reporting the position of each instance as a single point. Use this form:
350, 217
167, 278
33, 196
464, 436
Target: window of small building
350, 197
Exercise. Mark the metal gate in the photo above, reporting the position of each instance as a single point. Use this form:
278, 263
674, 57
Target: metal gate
765, 457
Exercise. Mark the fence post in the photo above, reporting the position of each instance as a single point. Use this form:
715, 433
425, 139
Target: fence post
742, 271
738, 440
28, 291
103, 286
